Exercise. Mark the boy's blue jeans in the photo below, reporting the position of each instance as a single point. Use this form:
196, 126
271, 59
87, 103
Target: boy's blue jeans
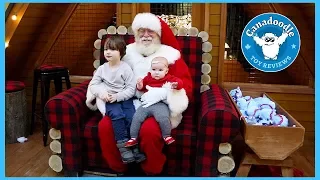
121, 114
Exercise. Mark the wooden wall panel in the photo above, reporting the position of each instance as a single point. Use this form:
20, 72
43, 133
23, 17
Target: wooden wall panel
28, 41
214, 39
199, 16
143, 7
127, 11
233, 72
298, 13
305, 63
124, 14
301, 107
36, 27
74, 47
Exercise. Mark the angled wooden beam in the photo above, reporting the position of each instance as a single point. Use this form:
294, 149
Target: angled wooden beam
56, 33
304, 53
11, 25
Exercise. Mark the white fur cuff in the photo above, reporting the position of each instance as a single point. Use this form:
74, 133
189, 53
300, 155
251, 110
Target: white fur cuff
178, 102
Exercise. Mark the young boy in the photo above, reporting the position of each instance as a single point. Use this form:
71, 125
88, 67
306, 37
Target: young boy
119, 88
157, 77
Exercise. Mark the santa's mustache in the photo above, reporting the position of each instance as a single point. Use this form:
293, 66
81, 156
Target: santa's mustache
146, 39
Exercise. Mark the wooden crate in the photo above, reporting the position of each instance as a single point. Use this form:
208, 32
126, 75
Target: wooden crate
272, 142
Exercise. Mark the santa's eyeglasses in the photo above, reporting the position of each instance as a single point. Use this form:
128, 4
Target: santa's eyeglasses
144, 30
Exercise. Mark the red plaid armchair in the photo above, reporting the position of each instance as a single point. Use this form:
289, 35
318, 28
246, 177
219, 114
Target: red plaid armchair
195, 152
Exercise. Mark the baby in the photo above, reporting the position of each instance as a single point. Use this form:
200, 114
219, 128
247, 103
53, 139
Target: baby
157, 77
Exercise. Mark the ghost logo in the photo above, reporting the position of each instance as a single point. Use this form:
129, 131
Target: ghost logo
270, 42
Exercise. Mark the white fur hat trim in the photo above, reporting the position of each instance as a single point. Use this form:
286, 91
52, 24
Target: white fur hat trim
146, 20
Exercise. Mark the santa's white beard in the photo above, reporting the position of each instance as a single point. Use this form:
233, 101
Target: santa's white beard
147, 50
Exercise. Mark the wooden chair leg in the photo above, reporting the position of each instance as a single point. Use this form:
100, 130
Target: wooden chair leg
243, 170
286, 171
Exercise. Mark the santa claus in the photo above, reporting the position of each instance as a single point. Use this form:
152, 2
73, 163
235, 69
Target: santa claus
153, 38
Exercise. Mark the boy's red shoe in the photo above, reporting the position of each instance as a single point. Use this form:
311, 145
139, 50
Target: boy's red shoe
168, 140
131, 142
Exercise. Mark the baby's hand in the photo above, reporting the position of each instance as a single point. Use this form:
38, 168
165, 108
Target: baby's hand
174, 85
139, 83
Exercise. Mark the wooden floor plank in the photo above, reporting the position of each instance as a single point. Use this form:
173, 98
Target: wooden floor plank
23, 156
303, 164
36, 166
11, 149
26, 151
31, 158
309, 154
50, 173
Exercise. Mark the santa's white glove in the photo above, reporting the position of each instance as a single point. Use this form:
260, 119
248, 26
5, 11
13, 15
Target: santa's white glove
153, 96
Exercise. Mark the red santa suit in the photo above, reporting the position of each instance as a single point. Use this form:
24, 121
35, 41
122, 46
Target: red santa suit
151, 142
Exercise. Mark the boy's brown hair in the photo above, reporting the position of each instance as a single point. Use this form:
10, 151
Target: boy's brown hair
116, 43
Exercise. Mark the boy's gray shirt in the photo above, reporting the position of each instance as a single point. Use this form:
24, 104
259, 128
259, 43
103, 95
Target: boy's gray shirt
118, 81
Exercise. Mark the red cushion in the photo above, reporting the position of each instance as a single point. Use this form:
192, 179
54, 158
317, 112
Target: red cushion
51, 67
13, 86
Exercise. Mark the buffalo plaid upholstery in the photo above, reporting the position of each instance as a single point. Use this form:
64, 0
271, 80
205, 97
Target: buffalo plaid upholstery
67, 111
13, 86
219, 122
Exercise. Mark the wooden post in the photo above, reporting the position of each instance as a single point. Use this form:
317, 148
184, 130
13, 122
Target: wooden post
119, 13
223, 26
133, 10
206, 17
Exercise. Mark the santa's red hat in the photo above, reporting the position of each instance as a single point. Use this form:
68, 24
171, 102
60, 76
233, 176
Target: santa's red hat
154, 23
